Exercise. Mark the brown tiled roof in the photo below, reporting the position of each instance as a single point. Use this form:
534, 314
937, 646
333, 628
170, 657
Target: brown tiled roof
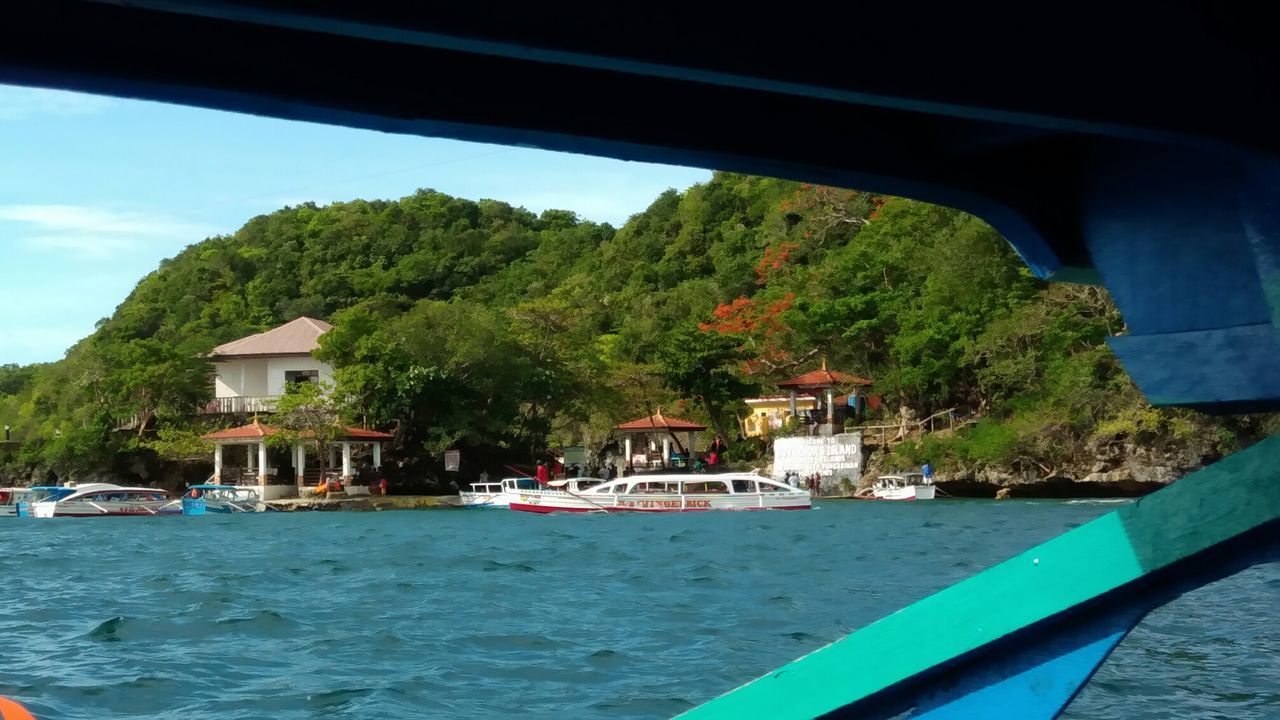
823, 378
297, 337
257, 431
658, 421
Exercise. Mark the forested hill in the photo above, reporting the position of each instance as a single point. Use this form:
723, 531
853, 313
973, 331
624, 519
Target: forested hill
485, 326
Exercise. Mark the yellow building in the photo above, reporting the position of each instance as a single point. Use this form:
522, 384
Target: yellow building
771, 412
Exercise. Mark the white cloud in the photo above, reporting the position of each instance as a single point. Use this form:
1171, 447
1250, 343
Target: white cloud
84, 218
81, 232
20, 103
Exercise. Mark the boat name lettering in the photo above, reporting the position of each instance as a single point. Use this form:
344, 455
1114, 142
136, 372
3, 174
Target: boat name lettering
666, 504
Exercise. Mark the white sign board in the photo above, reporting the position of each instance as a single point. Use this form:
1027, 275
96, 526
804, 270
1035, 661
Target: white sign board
452, 460
575, 454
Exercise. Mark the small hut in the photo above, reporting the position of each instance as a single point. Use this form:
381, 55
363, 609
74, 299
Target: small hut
654, 430
822, 384
253, 437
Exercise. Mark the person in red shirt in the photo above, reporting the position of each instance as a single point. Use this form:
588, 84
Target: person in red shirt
543, 474
382, 485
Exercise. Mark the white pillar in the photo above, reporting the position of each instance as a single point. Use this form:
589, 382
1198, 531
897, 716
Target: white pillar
300, 464
377, 455
666, 450
333, 456
217, 463
793, 402
248, 451
627, 444
346, 461
831, 407
691, 449
262, 463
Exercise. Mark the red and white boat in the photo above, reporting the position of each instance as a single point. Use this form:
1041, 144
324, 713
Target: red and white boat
900, 486
100, 499
669, 493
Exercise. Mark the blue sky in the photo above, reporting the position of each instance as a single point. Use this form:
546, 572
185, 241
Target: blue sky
95, 191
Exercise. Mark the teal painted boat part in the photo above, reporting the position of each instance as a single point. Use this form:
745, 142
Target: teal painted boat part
193, 506
1210, 524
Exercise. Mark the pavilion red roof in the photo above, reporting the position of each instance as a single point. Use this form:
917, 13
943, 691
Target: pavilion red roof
823, 378
658, 421
257, 431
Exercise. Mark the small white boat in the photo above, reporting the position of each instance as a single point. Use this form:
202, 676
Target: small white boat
900, 486
102, 499
668, 493
499, 494
483, 495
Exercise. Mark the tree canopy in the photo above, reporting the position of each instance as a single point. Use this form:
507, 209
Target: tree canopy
483, 325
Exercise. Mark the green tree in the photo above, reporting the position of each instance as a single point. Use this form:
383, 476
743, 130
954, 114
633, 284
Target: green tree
705, 366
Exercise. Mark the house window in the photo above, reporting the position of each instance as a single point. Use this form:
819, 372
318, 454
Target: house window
298, 377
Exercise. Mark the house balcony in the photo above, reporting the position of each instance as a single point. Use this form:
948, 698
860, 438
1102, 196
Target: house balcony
240, 404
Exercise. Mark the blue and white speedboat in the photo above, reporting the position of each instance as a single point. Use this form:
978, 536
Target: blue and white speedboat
226, 498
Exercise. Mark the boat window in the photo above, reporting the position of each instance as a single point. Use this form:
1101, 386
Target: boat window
770, 487
744, 486
709, 487
652, 487
620, 488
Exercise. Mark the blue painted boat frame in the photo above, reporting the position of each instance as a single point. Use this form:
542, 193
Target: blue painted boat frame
1029, 658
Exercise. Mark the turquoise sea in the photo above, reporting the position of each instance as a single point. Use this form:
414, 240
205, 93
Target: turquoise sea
494, 614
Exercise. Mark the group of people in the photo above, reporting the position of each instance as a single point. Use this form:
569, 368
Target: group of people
812, 483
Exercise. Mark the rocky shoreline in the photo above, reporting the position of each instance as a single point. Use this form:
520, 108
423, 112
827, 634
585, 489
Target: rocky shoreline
1112, 468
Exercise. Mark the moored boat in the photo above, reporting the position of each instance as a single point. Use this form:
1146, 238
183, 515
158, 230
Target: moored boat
494, 494
225, 498
10, 497
668, 493
500, 494
102, 499
900, 486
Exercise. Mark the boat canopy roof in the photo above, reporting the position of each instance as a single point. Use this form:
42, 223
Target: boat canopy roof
680, 480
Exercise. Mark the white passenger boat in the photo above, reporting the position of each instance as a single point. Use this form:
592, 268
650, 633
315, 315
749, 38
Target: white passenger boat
494, 494
668, 493
500, 494
900, 486
102, 499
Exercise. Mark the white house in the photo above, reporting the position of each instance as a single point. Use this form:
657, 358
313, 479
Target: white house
252, 372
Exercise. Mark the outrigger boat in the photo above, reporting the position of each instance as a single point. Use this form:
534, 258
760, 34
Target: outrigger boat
100, 499
226, 499
499, 494
494, 494
900, 486
10, 497
668, 493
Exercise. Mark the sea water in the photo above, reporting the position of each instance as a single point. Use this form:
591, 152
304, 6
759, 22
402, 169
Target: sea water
492, 614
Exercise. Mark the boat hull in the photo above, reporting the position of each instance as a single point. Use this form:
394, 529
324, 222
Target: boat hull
550, 502
484, 500
105, 509
914, 492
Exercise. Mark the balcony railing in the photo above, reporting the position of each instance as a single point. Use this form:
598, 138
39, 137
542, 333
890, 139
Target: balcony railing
241, 404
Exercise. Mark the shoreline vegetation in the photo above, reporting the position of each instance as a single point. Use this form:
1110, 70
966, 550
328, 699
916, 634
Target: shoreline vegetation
484, 327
